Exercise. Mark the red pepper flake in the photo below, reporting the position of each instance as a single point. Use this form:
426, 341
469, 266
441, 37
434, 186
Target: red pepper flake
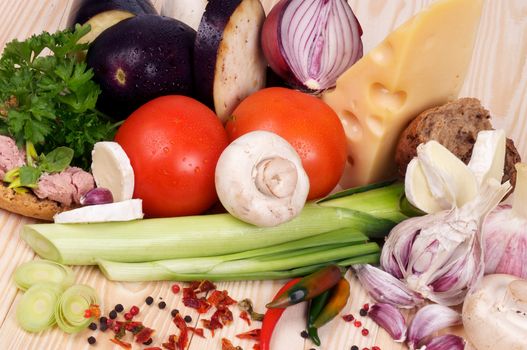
253, 334
256, 346
365, 332
357, 324
212, 325
134, 310
227, 345
143, 335
87, 313
220, 298
95, 311
375, 348
366, 307
171, 344
348, 318
183, 338
244, 315
202, 286
198, 331
122, 344
175, 288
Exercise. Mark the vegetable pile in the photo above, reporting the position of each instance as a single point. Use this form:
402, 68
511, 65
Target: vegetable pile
199, 132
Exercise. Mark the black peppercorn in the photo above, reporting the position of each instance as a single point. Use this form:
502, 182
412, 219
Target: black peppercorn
93, 326
174, 312
188, 319
119, 308
162, 304
354, 347
103, 320
304, 334
363, 312
92, 340
149, 300
113, 314
103, 327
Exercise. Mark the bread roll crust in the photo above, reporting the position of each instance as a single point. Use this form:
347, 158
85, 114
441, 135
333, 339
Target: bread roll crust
455, 125
27, 204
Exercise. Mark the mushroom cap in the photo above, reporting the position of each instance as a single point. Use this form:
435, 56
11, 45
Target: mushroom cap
491, 319
239, 179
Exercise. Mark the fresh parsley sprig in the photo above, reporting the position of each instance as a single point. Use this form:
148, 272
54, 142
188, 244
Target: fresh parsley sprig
47, 96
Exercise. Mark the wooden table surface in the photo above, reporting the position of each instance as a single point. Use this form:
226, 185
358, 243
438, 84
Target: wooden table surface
498, 77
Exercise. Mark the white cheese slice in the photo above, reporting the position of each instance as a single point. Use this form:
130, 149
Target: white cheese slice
488, 156
420, 65
111, 169
128, 210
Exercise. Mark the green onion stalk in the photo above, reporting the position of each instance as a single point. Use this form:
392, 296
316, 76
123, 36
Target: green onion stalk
219, 247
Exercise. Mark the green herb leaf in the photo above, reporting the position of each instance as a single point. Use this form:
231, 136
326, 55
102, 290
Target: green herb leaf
29, 176
56, 160
50, 100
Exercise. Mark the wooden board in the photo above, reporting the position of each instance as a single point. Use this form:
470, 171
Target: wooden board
498, 76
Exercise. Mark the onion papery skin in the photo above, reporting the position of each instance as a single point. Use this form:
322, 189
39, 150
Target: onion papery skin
310, 43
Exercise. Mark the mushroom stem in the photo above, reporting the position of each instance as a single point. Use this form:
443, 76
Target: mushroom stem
276, 177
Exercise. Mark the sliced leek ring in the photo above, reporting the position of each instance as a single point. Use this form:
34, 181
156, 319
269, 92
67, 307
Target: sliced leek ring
36, 310
71, 307
39, 271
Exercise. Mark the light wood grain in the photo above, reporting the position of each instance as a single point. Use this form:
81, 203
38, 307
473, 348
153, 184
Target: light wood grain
498, 76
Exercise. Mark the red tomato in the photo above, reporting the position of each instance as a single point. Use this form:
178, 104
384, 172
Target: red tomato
173, 143
306, 122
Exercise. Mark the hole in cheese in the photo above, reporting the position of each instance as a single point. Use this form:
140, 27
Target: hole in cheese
386, 99
375, 124
352, 125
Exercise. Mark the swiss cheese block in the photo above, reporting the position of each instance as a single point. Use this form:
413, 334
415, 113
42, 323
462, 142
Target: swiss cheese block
421, 64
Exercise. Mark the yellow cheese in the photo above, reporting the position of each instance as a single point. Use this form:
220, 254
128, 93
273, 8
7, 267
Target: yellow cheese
421, 64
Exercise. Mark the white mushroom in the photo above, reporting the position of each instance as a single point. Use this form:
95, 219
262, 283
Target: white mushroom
260, 179
495, 315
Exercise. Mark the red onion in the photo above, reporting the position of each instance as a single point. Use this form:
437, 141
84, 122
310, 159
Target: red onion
310, 43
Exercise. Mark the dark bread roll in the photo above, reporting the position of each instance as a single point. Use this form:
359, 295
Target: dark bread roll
455, 125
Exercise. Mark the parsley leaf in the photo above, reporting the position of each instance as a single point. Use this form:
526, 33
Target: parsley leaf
47, 96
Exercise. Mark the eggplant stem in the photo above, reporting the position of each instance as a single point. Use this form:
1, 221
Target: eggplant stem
520, 192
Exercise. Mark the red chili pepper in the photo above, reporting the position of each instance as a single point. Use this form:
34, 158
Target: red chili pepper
309, 287
271, 318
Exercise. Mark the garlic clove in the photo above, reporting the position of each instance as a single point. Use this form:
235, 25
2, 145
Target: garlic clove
450, 180
417, 190
98, 195
385, 288
446, 342
488, 156
390, 319
429, 320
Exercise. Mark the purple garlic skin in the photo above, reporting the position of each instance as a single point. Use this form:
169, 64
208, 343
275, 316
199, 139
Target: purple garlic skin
390, 319
96, 196
505, 238
440, 256
384, 288
446, 342
429, 320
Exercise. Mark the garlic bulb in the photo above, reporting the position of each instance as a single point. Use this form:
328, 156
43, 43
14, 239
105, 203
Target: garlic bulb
505, 232
440, 255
